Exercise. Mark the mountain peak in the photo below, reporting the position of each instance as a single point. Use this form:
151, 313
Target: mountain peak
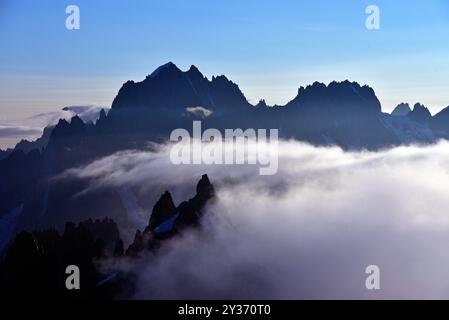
102, 114
77, 121
419, 106
170, 88
168, 66
345, 95
194, 73
420, 113
193, 69
204, 188
335, 85
163, 208
401, 109
261, 104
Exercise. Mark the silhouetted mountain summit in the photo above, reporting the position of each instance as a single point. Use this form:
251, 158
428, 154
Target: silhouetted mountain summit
262, 104
170, 88
162, 210
341, 113
420, 114
343, 96
401, 109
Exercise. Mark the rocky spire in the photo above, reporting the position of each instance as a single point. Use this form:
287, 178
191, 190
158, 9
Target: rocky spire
162, 210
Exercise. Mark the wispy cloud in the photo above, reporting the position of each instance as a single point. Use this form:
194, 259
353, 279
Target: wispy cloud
17, 131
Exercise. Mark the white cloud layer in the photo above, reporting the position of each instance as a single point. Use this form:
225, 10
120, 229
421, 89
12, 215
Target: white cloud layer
307, 232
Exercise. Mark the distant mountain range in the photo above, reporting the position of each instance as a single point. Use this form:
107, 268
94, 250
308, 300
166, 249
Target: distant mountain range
47, 121
342, 113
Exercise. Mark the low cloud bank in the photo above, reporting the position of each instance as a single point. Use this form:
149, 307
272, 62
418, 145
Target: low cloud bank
12, 131
31, 128
307, 232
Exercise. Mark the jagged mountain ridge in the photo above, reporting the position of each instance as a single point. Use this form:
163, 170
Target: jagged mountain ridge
401, 109
168, 220
170, 88
341, 113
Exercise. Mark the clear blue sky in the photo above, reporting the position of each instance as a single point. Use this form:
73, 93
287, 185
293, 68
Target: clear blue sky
269, 48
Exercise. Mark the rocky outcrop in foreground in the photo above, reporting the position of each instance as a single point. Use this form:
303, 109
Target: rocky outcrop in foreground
167, 220
36, 261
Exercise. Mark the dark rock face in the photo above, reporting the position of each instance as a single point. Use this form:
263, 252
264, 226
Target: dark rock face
204, 189
163, 209
191, 211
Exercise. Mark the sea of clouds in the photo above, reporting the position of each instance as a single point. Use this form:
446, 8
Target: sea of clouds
307, 232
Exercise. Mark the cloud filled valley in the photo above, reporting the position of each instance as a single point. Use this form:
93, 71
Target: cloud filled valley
307, 232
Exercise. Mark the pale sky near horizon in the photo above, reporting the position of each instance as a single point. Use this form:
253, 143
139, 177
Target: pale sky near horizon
269, 48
